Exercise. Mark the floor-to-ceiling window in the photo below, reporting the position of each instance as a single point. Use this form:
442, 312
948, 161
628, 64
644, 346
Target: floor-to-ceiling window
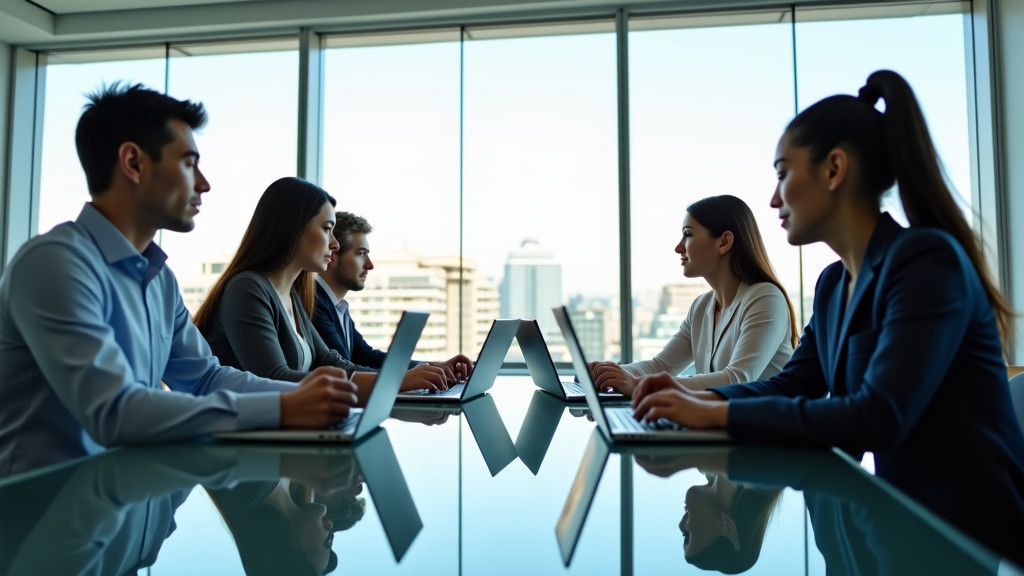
486, 158
249, 91
391, 155
70, 78
708, 98
541, 175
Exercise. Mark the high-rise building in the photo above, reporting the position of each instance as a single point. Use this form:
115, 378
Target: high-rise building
532, 286
406, 281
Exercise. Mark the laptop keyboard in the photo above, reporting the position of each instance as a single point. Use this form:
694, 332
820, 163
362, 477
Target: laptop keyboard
572, 388
349, 423
622, 419
455, 390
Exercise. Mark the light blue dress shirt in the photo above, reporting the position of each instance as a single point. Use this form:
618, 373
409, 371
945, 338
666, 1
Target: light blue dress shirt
88, 329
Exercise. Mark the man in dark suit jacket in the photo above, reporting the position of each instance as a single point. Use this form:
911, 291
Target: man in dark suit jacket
347, 272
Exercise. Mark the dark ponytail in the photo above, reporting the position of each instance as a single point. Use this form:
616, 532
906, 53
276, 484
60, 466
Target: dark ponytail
895, 147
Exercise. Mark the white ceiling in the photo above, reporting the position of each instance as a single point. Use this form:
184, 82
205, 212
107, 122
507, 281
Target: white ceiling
74, 6
53, 24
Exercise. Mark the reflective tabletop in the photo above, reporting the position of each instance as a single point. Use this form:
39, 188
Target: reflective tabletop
514, 482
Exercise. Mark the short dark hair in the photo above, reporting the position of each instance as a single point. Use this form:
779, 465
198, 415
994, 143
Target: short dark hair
120, 113
345, 224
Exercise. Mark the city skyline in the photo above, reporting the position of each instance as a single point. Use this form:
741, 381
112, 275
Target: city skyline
406, 280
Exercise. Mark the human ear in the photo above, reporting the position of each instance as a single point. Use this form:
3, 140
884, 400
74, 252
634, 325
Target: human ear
129, 161
837, 163
727, 527
725, 242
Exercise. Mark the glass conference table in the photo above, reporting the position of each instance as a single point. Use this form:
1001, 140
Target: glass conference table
517, 482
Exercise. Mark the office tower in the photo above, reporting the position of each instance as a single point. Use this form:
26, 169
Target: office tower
532, 286
407, 281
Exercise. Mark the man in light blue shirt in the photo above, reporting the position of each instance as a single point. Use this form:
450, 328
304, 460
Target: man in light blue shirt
91, 320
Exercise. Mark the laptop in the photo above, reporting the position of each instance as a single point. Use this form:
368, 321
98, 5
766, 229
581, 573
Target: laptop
492, 354
542, 367
617, 422
360, 421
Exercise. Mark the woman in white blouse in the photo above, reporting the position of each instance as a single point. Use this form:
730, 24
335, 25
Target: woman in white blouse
744, 329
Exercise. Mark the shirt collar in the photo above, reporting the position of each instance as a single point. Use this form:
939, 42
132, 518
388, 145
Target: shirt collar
112, 243
338, 302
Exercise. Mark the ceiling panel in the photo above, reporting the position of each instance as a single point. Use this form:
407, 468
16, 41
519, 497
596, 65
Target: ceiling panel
73, 6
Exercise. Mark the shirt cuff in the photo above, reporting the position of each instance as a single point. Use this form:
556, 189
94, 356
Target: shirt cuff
259, 410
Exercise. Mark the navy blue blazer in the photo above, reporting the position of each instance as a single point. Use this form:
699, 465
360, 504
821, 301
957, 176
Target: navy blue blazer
913, 371
328, 325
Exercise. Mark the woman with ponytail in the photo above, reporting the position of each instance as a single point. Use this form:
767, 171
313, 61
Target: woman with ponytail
904, 355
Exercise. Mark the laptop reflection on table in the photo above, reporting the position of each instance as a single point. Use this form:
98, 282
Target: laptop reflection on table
492, 355
539, 425
485, 423
617, 422
361, 421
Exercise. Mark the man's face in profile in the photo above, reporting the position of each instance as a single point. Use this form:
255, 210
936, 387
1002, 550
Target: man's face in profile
351, 266
171, 189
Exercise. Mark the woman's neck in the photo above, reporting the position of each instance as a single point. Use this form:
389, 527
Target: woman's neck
725, 284
850, 236
283, 280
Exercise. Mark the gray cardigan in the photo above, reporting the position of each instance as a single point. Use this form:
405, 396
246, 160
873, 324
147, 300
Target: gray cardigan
251, 332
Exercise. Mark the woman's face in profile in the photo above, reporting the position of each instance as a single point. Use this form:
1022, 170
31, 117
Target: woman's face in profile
317, 247
314, 535
706, 517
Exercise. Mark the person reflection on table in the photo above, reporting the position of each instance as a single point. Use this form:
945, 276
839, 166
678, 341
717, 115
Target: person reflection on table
422, 415
282, 528
109, 514
724, 522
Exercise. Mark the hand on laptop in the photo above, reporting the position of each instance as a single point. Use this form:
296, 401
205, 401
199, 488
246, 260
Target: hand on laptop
661, 396
424, 376
610, 376
456, 369
322, 398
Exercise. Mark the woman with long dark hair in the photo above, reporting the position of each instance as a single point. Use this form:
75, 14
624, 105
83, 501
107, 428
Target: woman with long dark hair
257, 315
904, 355
743, 329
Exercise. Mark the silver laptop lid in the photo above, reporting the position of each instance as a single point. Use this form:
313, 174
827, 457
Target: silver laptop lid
492, 354
389, 379
579, 363
538, 357
581, 496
